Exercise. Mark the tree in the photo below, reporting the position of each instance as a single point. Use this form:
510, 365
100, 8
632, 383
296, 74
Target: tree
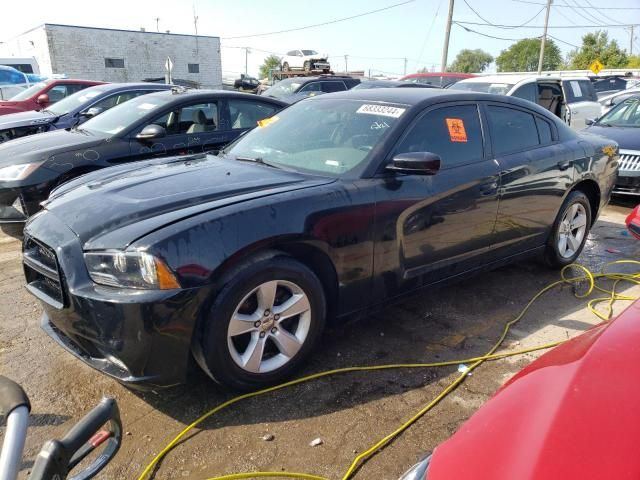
271, 62
597, 46
523, 56
470, 61
634, 61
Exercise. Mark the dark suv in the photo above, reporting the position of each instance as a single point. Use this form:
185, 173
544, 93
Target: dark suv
291, 90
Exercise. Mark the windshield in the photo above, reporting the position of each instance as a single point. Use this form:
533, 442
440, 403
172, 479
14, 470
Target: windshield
283, 88
626, 114
122, 116
309, 52
29, 92
322, 136
70, 103
483, 87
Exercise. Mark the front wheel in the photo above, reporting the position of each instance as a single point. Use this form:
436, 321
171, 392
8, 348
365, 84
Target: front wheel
307, 67
570, 231
263, 324
285, 67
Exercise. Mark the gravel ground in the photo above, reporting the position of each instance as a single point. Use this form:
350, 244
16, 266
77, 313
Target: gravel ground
348, 412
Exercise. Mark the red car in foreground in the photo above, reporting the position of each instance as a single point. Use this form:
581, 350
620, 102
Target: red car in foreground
437, 79
571, 414
633, 222
43, 94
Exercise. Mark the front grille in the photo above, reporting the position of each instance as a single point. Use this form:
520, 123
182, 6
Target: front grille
42, 272
629, 161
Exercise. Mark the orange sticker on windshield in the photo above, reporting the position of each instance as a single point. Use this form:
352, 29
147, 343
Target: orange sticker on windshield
457, 133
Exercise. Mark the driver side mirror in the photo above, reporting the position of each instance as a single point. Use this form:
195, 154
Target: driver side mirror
415, 163
42, 99
151, 131
590, 121
92, 112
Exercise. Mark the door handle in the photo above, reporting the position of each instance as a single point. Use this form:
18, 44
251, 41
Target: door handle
564, 165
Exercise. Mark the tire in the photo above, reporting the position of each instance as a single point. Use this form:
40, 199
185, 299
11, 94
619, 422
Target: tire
285, 67
569, 232
307, 67
286, 343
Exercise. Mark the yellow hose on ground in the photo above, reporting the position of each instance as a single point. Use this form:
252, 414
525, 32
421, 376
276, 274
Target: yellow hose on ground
589, 277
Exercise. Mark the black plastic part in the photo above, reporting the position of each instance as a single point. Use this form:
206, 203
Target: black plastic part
12, 396
59, 457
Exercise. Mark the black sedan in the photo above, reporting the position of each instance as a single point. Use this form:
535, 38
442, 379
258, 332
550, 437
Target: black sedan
73, 110
159, 124
622, 124
335, 205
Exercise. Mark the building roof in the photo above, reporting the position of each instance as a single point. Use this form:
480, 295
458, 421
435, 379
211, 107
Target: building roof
44, 25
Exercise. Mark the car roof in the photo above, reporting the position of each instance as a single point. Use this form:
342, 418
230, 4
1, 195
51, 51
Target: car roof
439, 74
508, 79
633, 91
181, 94
422, 97
109, 87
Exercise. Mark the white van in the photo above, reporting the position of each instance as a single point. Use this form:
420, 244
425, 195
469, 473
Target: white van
572, 99
25, 65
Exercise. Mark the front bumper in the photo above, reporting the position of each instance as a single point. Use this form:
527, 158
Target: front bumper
320, 65
139, 337
9, 214
627, 185
628, 182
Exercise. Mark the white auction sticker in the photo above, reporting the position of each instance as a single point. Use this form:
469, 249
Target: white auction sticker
384, 110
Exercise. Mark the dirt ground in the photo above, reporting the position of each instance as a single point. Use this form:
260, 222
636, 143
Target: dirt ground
349, 412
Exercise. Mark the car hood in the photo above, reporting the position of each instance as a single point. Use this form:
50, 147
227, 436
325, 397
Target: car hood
627, 137
42, 146
26, 119
112, 208
573, 413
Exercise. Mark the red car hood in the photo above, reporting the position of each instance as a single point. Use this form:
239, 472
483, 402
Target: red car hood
572, 414
12, 107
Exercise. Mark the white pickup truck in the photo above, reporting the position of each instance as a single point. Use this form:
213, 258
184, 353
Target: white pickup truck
571, 98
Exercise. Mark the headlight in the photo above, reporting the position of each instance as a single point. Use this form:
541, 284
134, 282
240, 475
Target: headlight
130, 270
17, 172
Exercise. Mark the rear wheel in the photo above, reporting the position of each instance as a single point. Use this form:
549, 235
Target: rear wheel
285, 67
570, 231
263, 323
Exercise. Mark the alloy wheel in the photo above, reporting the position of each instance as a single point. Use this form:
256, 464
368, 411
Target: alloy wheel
269, 326
572, 230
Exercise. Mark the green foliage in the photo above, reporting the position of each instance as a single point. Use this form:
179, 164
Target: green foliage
597, 46
470, 61
271, 62
634, 61
523, 56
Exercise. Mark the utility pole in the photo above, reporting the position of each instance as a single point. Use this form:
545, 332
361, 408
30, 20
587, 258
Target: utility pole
447, 34
544, 37
157, 24
405, 65
346, 64
631, 27
246, 60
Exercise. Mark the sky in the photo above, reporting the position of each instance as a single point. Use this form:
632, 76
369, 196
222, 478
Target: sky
376, 43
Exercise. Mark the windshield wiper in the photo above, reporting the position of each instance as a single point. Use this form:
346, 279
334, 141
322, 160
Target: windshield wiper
259, 160
604, 124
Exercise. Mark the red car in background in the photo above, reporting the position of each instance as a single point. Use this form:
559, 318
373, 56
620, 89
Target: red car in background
43, 94
633, 222
571, 414
438, 79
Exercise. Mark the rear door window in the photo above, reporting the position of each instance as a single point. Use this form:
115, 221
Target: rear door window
328, 87
311, 87
454, 133
588, 90
574, 91
544, 131
246, 114
511, 130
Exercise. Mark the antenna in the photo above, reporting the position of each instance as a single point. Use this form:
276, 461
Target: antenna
157, 24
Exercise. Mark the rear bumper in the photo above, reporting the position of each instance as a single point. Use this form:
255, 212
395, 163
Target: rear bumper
141, 338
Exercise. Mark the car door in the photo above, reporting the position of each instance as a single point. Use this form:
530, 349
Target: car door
432, 227
581, 102
191, 127
535, 172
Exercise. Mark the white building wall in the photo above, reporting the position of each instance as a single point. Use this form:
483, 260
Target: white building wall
80, 52
33, 43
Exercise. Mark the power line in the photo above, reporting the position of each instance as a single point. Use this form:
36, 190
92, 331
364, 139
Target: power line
344, 19
562, 41
580, 14
428, 34
550, 26
490, 36
600, 12
518, 26
566, 6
